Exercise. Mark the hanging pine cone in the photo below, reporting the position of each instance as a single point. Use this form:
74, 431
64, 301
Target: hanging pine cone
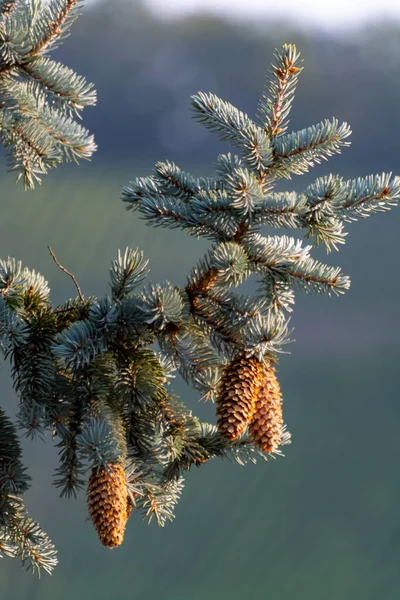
267, 423
238, 391
108, 503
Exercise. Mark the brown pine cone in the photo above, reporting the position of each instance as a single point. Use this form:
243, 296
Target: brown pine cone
238, 391
266, 426
108, 503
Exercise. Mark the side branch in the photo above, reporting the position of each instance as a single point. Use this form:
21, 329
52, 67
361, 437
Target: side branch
7, 6
81, 296
55, 28
202, 285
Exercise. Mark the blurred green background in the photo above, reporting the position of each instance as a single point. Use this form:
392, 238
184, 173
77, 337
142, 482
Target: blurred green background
323, 522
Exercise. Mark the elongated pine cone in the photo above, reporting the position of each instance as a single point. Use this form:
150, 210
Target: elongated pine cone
240, 384
108, 503
267, 424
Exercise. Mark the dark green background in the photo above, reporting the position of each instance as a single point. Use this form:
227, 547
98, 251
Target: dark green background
323, 522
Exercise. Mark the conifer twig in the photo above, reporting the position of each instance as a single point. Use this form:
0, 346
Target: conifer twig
81, 296
7, 7
55, 28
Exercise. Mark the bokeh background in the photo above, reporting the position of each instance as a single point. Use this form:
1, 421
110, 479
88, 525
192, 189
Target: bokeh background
323, 522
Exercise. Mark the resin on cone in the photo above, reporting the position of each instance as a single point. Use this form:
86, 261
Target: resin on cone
266, 426
240, 384
108, 503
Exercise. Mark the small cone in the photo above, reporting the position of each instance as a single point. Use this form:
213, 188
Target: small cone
108, 503
266, 426
238, 391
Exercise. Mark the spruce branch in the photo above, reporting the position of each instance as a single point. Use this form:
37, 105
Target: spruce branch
232, 125
69, 475
298, 151
20, 536
23, 538
175, 182
67, 89
127, 272
57, 16
221, 117
96, 373
279, 90
39, 97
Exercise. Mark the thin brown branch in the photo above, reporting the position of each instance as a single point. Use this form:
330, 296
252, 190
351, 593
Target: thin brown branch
203, 284
55, 29
241, 232
298, 274
273, 211
8, 8
212, 322
181, 218
51, 87
276, 121
81, 296
228, 306
7, 68
174, 181
303, 149
283, 76
314, 279
368, 198
28, 142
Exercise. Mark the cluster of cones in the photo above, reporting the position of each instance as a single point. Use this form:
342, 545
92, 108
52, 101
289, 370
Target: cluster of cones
250, 396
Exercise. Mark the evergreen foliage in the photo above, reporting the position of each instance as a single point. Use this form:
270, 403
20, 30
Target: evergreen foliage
95, 372
39, 97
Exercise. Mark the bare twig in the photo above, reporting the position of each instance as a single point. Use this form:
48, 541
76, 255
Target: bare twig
81, 296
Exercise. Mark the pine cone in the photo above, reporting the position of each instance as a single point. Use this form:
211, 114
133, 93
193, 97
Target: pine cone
267, 423
108, 503
238, 391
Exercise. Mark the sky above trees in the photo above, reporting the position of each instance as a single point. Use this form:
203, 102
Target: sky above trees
330, 14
